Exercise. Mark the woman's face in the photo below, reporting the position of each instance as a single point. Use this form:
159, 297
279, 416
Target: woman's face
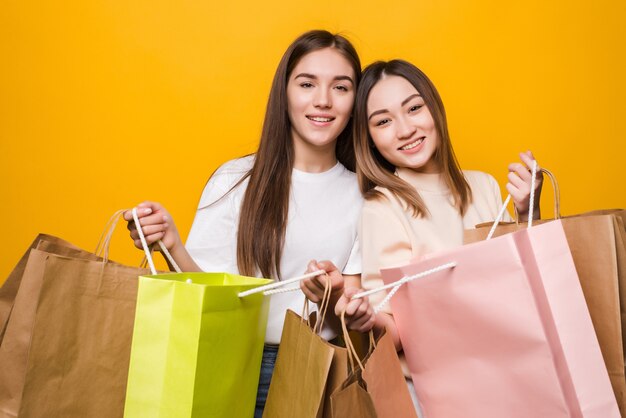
401, 125
320, 95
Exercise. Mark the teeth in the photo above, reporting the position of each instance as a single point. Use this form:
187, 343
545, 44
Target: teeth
412, 144
319, 119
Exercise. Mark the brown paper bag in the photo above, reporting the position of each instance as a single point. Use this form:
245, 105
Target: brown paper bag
385, 380
80, 345
65, 313
18, 314
379, 376
10, 287
337, 374
353, 400
301, 372
304, 375
596, 244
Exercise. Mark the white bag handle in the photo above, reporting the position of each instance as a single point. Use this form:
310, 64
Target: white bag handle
398, 283
272, 288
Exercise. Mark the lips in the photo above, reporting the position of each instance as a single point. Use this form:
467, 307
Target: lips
412, 144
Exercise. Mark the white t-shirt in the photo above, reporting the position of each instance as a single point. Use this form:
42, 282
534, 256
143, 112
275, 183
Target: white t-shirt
323, 220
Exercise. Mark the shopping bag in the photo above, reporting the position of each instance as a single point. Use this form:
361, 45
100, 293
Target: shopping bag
337, 374
20, 367
385, 380
10, 287
197, 346
15, 346
376, 386
300, 382
504, 332
79, 351
596, 241
352, 400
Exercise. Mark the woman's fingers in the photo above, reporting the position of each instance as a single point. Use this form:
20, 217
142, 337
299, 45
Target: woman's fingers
364, 323
141, 212
152, 229
311, 290
528, 158
150, 239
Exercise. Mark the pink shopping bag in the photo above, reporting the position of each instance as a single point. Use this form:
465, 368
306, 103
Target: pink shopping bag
504, 333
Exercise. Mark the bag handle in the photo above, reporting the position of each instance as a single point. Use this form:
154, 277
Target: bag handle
272, 288
146, 248
557, 200
396, 285
353, 357
323, 308
102, 248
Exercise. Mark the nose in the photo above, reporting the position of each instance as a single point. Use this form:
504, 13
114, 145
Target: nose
404, 128
322, 98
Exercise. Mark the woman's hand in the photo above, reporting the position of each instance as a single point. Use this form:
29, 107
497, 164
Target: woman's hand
156, 224
313, 288
359, 314
519, 185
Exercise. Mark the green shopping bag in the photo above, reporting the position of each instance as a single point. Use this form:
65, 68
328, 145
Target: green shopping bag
197, 345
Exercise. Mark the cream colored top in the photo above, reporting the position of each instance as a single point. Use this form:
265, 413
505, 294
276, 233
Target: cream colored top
390, 236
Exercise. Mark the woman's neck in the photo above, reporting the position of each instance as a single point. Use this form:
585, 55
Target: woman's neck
314, 159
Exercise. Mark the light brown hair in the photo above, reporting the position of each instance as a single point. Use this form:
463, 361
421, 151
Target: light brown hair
374, 170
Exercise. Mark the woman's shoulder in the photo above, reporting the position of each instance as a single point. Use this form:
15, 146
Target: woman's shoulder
229, 173
380, 199
225, 178
237, 166
479, 180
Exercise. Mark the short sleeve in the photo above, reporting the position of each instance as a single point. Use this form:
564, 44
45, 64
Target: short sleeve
212, 240
353, 266
385, 242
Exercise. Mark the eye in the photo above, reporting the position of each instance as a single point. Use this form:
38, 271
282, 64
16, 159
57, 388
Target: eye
342, 88
306, 85
415, 108
382, 122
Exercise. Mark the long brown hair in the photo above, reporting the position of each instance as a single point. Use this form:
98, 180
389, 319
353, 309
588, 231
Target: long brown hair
374, 170
265, 206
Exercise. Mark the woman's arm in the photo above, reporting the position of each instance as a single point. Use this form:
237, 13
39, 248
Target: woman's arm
385, 242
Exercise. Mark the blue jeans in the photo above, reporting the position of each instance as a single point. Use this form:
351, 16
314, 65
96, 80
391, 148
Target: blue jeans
267, 368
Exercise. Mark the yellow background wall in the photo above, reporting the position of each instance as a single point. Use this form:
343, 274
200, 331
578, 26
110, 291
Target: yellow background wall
105, 104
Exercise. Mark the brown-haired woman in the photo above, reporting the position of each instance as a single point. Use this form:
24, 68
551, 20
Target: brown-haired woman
294, 200
418, 200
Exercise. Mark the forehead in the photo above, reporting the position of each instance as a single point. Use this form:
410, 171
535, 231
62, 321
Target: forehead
389, 92
326, 62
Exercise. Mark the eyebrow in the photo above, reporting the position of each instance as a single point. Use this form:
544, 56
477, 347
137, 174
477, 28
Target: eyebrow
314, 77
405, 101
